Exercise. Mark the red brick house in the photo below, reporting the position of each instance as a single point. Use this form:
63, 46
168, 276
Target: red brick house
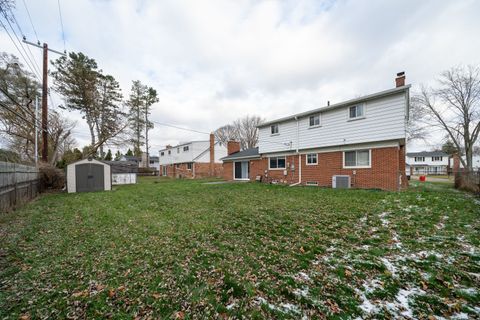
194, 159
359, 143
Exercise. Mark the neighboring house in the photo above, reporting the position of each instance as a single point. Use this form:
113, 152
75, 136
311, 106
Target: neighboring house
358, 143
130, 159
153, 162
428, 162
195, 159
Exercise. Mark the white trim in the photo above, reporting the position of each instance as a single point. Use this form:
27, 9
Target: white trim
364, 112
357, 167
233, 170
319, 115
372, 145
306, 159
284, 168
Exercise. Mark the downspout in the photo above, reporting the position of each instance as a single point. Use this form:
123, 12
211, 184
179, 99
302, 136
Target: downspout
299, 156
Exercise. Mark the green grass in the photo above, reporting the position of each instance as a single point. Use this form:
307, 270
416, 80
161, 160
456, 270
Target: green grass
184, 249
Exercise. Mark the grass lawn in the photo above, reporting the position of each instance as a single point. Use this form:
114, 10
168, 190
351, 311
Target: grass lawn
184, 249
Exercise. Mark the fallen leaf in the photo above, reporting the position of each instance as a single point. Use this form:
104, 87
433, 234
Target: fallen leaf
156, 295
179, 315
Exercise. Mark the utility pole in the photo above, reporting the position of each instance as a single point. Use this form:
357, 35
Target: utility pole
146, 135
44, 95
36, 130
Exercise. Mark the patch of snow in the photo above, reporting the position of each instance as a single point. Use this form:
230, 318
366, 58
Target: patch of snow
469, 291
363, 219
389, 265
231, 305
440, 226
372, 286
460, 315
331, 249
302, 276
284, 307
366, 306
301, 292
366, 247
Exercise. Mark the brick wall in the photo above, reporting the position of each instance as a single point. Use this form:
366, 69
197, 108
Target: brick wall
202, 170
387, 165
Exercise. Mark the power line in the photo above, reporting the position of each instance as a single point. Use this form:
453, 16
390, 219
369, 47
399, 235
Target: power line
180, 128
61, 23
24, 37
30, 18
16, 46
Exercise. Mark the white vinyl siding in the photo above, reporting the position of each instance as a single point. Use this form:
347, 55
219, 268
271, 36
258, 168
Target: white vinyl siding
312, 159
357, 159
385, 121
276, 163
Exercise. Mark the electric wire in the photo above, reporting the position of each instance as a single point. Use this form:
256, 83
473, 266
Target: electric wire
31, 22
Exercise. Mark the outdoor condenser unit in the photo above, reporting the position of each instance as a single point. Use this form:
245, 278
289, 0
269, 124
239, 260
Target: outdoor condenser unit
341, 182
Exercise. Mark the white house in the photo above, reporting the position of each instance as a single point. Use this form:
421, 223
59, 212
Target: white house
192, 159
428, 162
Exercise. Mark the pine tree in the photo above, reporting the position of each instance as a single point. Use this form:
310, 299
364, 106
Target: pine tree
118, 155
108, 157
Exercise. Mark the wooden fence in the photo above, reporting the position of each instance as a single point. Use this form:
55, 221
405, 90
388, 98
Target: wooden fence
19, 183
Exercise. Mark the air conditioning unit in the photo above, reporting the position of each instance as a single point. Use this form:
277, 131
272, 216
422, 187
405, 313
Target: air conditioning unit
341, 182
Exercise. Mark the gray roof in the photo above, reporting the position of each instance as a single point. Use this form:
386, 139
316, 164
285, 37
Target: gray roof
427, 154
339, 105
244, 154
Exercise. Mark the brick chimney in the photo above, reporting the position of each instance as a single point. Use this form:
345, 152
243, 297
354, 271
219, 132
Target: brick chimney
233, 147
212, 155
400, 79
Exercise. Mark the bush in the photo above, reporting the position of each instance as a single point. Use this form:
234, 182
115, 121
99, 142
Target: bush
468, 181
51, 177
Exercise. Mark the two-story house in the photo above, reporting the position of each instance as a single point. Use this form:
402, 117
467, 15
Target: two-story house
357, 143
428, 162
194, 159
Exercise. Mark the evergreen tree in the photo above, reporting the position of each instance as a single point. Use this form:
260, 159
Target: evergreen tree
118, 155
129, 153
108, 157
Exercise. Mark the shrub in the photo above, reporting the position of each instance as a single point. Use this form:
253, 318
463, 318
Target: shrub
51, 177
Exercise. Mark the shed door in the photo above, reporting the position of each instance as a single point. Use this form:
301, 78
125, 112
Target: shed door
89, 177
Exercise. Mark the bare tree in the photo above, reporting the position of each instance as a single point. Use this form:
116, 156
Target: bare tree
455, 108
416, 128
226, 133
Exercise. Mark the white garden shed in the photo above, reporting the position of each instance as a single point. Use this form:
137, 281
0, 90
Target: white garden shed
88, 175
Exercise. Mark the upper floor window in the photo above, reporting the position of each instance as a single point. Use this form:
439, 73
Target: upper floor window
274, 129
162, 154
357, 158
276, 163
419, 159
438, 158
185, 148
312, 158
169, 151
314, 121
356, 112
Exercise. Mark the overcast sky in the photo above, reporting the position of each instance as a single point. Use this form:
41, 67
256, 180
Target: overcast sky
214, 61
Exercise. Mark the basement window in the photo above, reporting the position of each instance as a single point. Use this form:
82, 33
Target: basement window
356, 159
312, 183
356, 112
276, 163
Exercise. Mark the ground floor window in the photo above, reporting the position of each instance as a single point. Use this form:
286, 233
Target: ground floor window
276, 163
164, 171
189, 166
312, 158
357, 158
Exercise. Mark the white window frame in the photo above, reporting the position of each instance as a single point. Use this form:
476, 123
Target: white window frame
185, 149
420, 159
315, 125
277, 131
162, 153
437, 158
362, 105
269, 168
356, 166
189, 165
313, 163
169, 152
